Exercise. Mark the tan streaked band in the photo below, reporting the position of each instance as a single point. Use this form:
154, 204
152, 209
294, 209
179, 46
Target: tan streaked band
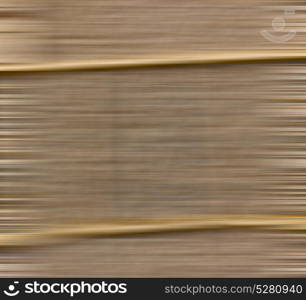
215, 57
149, 226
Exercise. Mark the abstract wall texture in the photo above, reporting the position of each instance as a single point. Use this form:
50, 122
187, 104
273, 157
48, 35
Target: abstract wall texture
152, 138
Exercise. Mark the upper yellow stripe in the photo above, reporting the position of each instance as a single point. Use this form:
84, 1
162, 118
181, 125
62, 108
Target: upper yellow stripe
215, 57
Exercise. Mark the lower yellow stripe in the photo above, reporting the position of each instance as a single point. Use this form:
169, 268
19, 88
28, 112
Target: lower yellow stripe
148, 226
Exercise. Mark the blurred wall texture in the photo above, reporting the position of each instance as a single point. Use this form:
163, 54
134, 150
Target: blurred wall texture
156, 142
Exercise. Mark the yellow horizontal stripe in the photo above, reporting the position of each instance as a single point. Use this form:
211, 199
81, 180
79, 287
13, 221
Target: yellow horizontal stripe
148, 226
212, 57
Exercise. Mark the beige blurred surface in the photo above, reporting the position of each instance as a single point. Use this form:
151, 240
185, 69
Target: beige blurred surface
156, 142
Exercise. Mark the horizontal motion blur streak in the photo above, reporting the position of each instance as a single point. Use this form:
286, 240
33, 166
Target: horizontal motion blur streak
147, 226
216, 57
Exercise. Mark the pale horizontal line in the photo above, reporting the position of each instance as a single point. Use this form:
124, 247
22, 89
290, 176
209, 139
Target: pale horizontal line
216, 57
121, 227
